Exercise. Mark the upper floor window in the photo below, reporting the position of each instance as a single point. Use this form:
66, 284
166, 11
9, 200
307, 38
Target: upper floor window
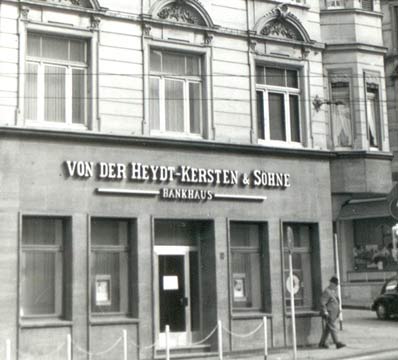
367, 5
373, 115
175, 87
56, 80
278, 104
341, 114
335, 4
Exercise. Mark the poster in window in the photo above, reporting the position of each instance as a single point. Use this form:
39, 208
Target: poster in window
170, 282
103, 290
239, 287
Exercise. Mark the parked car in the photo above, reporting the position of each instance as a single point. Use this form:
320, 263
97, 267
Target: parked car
386, 304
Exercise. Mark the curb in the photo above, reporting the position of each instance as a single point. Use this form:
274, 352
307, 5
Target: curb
391, 354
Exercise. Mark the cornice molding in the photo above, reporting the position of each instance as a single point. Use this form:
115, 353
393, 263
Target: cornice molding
162, 143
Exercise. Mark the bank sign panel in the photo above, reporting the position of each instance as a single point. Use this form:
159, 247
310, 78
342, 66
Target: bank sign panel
181, 182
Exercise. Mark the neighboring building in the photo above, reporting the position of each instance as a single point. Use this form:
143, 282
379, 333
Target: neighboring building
364, 222
154, 155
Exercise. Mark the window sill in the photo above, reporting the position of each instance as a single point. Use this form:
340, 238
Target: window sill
280, 144
243, 315
112, 320
304, 314
176, 135
54, 125
44, 323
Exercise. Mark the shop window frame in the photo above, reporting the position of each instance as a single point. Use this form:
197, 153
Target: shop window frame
265, 275
63, 290
131, 292
315, 265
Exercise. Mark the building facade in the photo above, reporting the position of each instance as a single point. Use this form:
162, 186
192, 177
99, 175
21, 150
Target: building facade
155, 155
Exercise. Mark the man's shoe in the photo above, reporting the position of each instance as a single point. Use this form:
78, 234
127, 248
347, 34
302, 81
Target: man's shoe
340, 345
323, 346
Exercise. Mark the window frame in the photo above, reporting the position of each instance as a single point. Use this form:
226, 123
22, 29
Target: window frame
131, 261
340, 77
286, 91
62, 268
263, 251
69, 66
91, 36
314, 252
162, 77
335, 4
369, 87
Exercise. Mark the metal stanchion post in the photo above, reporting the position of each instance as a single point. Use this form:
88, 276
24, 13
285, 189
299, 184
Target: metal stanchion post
8, 349
336, 251
219, 333
124, 344
265, 338
167, 342
290, 242
69, 347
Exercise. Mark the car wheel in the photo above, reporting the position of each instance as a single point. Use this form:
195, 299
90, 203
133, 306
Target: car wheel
382, 312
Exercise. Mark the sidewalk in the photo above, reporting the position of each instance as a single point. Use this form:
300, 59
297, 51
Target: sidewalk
366, 338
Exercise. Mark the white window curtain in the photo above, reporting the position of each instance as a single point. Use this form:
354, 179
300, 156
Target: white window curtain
175, 93
341, 115
371, 106
56, 80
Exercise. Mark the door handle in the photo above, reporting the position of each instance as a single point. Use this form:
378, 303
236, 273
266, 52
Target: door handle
184, 301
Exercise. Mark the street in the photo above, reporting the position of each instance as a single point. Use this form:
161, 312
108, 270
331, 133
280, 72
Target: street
366, 338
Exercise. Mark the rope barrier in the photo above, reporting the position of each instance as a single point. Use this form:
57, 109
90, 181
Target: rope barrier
97, 353
218, 327
26, 355
147, 347
206, 338
242, 336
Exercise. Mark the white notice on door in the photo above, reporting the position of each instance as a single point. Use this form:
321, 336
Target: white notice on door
170, 282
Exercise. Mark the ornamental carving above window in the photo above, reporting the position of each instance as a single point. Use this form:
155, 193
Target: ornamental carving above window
83, 3
180, 12
282, 29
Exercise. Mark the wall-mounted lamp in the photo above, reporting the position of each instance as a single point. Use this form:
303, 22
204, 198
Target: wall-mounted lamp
318, 102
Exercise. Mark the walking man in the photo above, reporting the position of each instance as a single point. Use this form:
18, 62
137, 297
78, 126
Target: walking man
330, 311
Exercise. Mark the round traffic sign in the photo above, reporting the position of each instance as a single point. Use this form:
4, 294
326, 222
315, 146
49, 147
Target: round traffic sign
296, 284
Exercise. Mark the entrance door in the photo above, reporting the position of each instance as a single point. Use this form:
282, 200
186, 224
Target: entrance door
173, 294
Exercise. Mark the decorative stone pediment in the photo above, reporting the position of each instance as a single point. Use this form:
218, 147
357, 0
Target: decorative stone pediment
89, 4
179, 12
281, 23
182, 11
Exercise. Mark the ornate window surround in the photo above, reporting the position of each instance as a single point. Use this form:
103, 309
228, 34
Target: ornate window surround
282, 23
70, 4
182, 12
90, 35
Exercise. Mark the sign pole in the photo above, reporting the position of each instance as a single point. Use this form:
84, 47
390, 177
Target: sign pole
336, 252
290, 238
